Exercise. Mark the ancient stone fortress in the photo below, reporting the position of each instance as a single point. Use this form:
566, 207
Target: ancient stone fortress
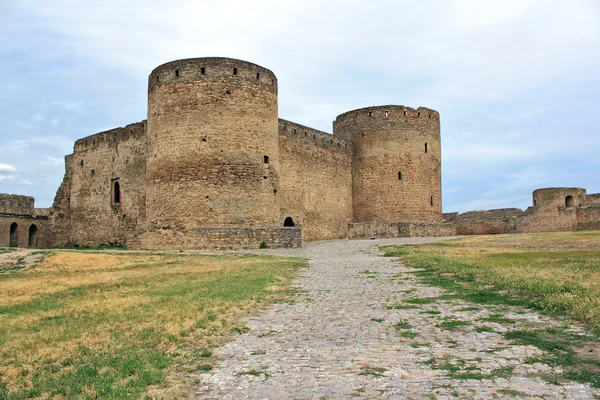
214, 166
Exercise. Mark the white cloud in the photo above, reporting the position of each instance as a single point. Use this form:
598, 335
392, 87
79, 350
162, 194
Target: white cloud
14, 180
7, 168
470, 58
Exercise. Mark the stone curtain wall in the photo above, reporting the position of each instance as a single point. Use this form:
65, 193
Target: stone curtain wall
24, 222
217, 238
213, 149
389, 141
588, 218
503, 220
367, 230
16, 204
316, 181
98, 161
592, 199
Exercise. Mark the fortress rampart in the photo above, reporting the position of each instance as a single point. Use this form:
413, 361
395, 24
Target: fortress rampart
316, 183
214, 167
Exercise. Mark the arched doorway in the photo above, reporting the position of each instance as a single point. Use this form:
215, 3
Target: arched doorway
14, 235
569, 201
289, 222
33, 241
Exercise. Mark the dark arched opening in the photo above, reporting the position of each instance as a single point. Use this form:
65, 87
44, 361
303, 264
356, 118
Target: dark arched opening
116, 193
534, 202
569, 201
33, 241
14, 235
289, 222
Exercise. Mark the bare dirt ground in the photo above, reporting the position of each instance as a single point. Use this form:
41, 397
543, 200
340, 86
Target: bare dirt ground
20, 259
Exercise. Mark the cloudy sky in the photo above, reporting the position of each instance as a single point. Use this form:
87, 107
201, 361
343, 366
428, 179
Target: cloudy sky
517, 82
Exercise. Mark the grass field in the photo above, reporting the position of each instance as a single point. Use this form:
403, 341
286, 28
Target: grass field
556, 273
87, 325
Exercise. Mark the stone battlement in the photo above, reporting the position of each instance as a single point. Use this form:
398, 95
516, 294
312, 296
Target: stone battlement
314, 137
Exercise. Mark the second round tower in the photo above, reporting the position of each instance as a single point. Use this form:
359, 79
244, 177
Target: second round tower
396, 168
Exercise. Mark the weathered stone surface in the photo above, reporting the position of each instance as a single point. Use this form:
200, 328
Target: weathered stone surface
21, 224
396, 165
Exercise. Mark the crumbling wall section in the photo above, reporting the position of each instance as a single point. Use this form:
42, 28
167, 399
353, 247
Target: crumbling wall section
103, 196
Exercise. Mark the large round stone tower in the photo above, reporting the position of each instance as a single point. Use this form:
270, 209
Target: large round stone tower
396, 163
213, 155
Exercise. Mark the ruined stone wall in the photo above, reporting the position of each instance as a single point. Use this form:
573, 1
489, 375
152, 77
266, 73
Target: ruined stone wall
85, 205
16, 204
502, 220
588, 218
559, 219
554, 210
396, 163
315, 182
368, 230
449, 217
217, 238
37, 225
60, 213
592, 199
213, 147
487, 226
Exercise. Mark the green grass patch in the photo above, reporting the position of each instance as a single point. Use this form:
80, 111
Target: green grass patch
558, 273
401, 307
564, 349
409, 334
452, 324
465, 309
373, 371
402, 325
422, 300
499, 319
86, 325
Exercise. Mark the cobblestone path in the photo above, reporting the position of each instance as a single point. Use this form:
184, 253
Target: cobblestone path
349, 333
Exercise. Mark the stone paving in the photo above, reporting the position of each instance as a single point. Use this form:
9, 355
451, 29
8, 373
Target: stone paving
350, 334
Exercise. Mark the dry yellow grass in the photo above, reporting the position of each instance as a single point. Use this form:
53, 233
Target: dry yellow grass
95, 314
